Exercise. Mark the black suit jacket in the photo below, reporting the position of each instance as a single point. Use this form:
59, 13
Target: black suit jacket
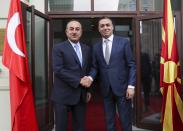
67, 73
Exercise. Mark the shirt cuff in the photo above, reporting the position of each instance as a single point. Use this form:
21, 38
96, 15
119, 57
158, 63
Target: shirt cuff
90, 78
131, 87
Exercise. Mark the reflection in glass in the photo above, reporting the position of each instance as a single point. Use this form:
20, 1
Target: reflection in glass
176, 5
60, 5
157, 5
117, 5
150, 61
69, 5
146, 79
151, 5
41, 88
127, 5
28, 39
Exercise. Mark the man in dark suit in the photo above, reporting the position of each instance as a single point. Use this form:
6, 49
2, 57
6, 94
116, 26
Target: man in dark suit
113, 59
70, 65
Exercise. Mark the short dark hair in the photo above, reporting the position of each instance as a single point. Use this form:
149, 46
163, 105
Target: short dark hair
72, 21
105, 17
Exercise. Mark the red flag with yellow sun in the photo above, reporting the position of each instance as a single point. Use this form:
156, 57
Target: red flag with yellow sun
170, 75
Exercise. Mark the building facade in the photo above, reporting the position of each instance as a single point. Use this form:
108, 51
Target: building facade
137, 20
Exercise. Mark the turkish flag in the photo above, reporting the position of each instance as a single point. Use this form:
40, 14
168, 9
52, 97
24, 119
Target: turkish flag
23, 116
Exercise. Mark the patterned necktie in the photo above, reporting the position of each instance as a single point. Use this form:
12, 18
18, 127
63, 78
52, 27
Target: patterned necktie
107, 51
76, 47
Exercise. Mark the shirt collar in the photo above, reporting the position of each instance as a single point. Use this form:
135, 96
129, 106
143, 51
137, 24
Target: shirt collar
110, 38
74, 43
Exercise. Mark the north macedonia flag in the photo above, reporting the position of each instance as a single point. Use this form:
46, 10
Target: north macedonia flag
170, 75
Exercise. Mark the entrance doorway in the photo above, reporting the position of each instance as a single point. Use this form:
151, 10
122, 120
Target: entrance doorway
122, 27
149, 96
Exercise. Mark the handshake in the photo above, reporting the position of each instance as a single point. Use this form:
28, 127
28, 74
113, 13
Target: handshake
86, 81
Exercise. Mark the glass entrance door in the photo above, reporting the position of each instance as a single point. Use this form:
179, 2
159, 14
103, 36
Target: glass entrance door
38, 44
149, 96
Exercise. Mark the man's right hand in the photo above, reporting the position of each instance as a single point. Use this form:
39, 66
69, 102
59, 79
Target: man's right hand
86, 81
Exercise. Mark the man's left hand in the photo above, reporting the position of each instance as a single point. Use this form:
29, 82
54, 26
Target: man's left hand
130, 93
88, 97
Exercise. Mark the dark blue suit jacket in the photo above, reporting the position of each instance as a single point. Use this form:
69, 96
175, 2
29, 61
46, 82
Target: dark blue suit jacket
68, 72
121, 70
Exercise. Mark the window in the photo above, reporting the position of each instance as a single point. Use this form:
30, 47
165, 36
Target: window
117, 5
151, 5
69, 5
114, 5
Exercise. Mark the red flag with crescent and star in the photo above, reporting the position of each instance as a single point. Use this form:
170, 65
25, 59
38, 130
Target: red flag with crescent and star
170, 75
23, 116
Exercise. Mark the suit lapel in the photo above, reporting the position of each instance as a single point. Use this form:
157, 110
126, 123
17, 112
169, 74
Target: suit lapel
113, 50
101, 51
115, 44
71, 49
84, 54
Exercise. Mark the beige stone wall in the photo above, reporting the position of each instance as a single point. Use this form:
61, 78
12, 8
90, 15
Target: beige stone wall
5, 123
